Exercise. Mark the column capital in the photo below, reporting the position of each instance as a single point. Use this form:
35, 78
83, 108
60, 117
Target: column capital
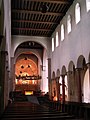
70, 72
78, 69
88, 64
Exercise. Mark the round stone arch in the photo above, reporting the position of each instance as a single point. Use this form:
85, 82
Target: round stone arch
81, 76
25, 51
81, 61
53, 75
63, 70
33, 51
16, 41
71, 66
58, 73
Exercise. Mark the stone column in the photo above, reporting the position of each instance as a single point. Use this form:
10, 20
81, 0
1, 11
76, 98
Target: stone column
3, 80
78, 78
58, 88
63, 89
49, 78
88, 65
69, 85
12, 87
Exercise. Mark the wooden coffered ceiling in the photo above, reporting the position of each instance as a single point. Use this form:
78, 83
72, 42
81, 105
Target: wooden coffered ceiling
37, 17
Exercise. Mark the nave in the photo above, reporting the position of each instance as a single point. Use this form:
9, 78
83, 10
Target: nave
26, 110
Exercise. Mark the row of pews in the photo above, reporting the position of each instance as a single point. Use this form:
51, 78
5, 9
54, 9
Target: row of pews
24, 110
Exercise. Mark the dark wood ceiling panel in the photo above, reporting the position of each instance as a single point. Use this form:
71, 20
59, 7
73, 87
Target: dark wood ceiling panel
37, 17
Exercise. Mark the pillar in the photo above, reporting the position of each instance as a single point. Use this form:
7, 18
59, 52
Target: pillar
63, 89
3, 82
12, 87
58, 88
49, 78
78, 79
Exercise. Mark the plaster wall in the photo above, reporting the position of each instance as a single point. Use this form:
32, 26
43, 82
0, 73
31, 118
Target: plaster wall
17, 40
76, 43
7, 29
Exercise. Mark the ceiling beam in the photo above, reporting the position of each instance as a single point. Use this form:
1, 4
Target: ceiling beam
36, 12
54, 1
30, 21
32, 29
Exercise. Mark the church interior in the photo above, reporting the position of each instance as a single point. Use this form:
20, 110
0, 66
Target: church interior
45, 59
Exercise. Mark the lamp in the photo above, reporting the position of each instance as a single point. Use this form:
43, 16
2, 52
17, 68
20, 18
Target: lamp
44, 8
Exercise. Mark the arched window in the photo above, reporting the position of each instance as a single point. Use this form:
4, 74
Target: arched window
77, 13
69, 24
62, 32
52, 44
88, 5
57, 42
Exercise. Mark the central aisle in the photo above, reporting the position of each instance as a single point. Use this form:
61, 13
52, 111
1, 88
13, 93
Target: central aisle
32, 111
32, 99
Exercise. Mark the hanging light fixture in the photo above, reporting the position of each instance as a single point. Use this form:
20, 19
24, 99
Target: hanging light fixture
44, 8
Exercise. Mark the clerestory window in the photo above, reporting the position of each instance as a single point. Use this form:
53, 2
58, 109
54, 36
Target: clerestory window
88, 5
52, 44
77, 13
62, 32
69, 24
57, 40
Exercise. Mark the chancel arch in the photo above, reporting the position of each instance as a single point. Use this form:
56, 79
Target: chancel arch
34, 52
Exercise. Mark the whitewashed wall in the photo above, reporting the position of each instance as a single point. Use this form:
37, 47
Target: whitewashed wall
76, 43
